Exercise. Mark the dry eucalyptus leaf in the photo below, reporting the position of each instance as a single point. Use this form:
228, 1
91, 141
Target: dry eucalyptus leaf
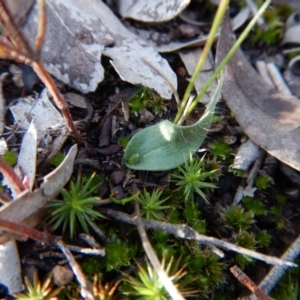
78, 35
27, 155
44, 114
164, 43
151, 11
269, 118
10, 267
26, 207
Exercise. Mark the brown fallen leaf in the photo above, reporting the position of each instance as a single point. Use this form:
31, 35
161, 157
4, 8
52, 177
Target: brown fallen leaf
269, 118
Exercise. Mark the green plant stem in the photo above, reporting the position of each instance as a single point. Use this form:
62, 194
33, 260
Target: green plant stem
228, 56
210, 40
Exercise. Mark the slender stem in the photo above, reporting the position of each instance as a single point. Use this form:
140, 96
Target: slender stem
229, 55
26, 231
41, 28
210, 40
11, 176
40, 70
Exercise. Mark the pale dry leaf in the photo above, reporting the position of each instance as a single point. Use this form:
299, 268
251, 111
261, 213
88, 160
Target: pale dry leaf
151, 11
44, 114
27, 155
78, 35
164, 43
27, 207
10, 267
292, 32
269, 118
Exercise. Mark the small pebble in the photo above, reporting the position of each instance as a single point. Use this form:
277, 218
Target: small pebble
117, 177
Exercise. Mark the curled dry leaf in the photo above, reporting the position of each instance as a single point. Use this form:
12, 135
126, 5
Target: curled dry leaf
292, 32
25, 209
269, 118
151, 11
78, 35
27, 155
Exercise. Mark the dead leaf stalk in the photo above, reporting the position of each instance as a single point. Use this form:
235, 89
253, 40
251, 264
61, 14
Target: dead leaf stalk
247, 282
11, 176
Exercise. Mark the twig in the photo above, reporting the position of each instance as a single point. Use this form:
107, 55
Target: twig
163, 276
252, 6
251, 177
277, 79
261, 67
86, 288
26, 231
41, 27
247, 282
17, 49
277, 272
9, 173
186, 232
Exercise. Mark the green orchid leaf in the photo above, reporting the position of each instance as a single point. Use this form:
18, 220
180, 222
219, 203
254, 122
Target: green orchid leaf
165, 146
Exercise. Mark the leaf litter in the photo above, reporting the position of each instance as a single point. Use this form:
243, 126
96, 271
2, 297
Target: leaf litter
27, 208
269, 118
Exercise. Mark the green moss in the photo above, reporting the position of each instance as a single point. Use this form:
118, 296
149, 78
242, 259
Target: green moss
119, 254
57, 159
255, 205
262, 182
10, 157
220, 149
92, 265
237, 218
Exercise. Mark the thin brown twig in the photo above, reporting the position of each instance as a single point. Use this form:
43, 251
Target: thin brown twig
41, 27
26, 231
9, 173
11, 30
247, 282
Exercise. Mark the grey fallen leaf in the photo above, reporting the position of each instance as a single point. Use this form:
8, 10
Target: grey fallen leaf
269, 118
190, 59
151, 11
292, 32
163, 43
78, 35
165, 146
26, 208
27, 155
44, 114
10, 267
